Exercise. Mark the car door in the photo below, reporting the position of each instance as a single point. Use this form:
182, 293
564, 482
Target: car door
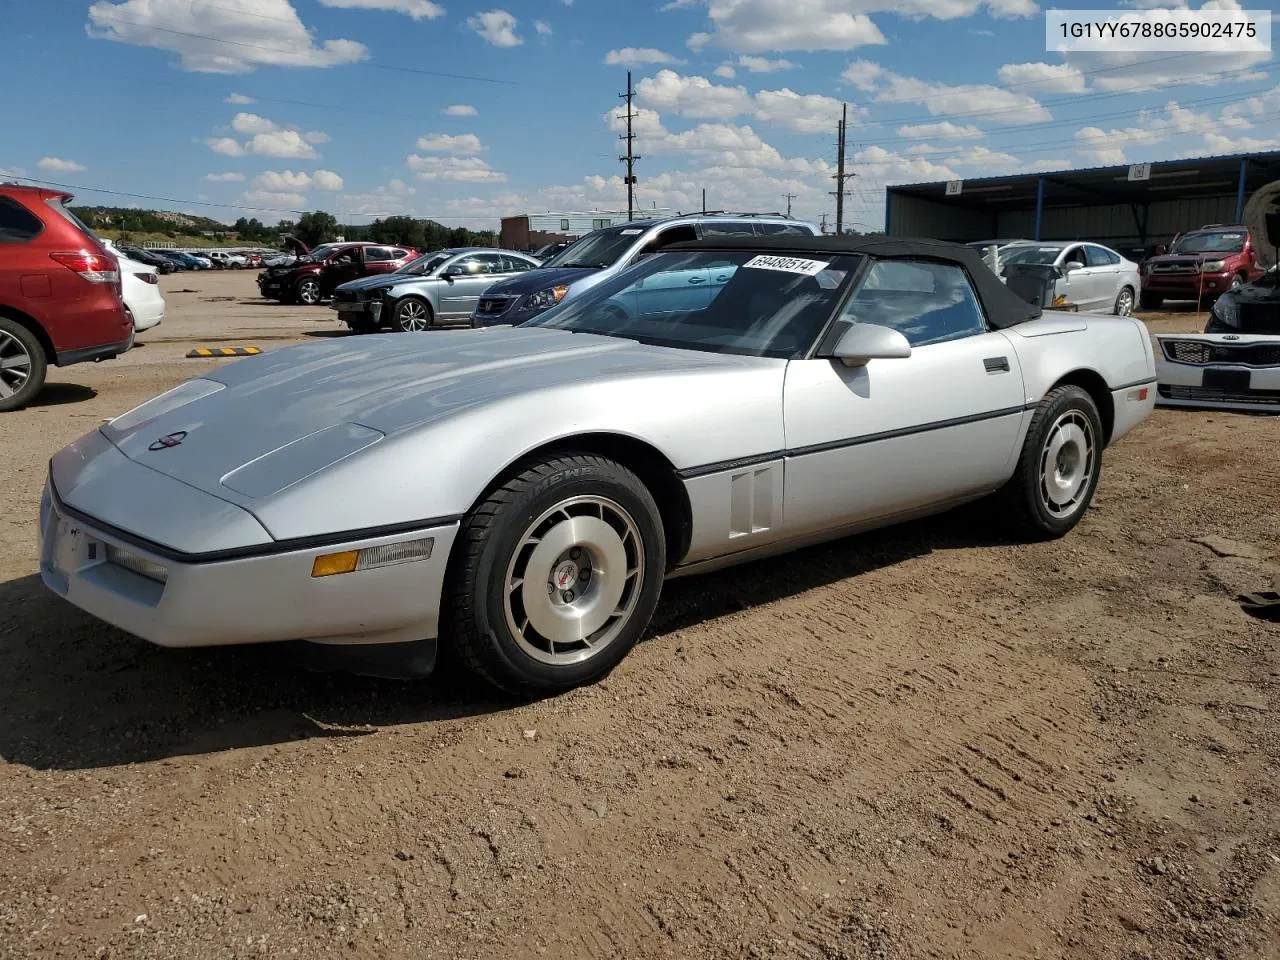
1081, 286
1105, 267
464, 279
895, 435
342, 265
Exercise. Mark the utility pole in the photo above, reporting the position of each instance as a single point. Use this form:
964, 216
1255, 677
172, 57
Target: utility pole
789, 197
631, 157
840, 176
823, 225
704, 199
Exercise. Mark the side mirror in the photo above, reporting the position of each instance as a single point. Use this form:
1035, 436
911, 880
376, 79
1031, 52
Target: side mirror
867, 341
1072, 265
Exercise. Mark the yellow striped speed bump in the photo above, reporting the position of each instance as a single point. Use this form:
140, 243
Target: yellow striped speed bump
224, 352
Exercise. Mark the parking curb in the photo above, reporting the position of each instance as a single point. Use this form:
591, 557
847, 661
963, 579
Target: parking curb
205, 352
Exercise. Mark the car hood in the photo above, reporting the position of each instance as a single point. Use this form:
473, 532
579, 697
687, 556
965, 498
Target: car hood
540, 278
380, 281
328, 401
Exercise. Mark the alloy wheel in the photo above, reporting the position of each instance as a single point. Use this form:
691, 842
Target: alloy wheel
15, 365
309, 292
414, 316
1067, 463
574, 580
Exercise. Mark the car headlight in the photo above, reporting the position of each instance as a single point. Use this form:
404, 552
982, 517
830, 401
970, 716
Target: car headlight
1212, 266
1225, 313
544, 299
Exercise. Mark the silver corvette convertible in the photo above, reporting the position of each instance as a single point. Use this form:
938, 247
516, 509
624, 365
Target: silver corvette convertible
519, 494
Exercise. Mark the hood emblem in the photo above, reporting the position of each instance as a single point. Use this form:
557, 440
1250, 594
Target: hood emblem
1230, 336
172, 440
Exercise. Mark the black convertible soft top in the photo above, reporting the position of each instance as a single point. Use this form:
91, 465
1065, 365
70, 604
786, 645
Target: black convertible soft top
1004, 307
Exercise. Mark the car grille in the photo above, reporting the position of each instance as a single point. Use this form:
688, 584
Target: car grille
1262, 398
346, 296
494, 306
1200, 353
1175, 268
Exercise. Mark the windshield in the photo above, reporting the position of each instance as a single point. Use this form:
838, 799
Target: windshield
425, 264
1226, 241
597, 250
319, 253
1030, 255
739, 302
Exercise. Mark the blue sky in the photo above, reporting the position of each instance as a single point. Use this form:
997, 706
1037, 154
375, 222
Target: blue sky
466, 110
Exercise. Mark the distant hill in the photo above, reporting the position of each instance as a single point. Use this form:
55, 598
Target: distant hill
129, 220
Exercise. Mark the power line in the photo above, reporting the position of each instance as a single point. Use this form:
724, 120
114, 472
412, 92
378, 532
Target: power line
631, 157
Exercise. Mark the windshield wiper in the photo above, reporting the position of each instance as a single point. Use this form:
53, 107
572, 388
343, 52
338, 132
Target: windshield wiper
587, 266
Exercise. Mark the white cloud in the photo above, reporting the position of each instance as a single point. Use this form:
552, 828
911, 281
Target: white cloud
327, 180
725, 71
418, 9
252, 123
463, 143
763, 64
232, 36
542, 27
941, 99
885, 165
1153, 127
224, 177
497, 27
55, 165
275, 200
239, 99
976, 155
315, 137
758, 26
282, 181
1136, 72
458, 169
945, 130
288, 144
801, 112
226, 146
1045, 77
460, 110
699, 98
384, 201
634, 56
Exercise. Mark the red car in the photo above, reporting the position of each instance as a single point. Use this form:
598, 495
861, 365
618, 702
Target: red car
1200, 264
315, 274
60, 293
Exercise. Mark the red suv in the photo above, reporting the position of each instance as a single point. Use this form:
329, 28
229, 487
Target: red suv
315, 274
60, 295
1200, 265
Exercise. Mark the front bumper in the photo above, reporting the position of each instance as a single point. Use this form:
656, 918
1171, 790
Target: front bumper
1187, 286
1219, 386
350, 311
262, 598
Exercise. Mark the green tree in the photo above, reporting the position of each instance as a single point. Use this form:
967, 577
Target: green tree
316, 227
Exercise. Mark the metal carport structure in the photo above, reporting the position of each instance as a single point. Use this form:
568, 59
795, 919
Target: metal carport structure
1100, 203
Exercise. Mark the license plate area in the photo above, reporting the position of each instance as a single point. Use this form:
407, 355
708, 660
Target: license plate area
73, 549
1231, 381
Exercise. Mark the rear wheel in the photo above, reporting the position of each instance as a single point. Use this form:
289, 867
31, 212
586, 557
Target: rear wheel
1124, 303
1151, 301
556, 576
1059, 467
22, 365
413, 315
308, 291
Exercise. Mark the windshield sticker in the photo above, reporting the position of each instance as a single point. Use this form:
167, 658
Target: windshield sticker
809, 268
631, 232
830, 279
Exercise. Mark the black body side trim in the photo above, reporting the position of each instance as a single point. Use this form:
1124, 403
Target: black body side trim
996, 364
107, 351
1137, 383
255, 550
703, 470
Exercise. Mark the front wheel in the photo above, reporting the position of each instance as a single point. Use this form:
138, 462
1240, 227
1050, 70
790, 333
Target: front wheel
556, 576
413, 315
22, 365
1059, 466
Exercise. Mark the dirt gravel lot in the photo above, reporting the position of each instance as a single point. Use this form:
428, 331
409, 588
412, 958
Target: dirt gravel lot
926, 742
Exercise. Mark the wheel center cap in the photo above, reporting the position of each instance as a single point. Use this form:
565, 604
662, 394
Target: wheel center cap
565, 575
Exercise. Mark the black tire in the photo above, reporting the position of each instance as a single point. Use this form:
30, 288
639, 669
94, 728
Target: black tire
480, 622
1027, 498
307, 292
1123, 306
1151, 301
20, 381
419, 308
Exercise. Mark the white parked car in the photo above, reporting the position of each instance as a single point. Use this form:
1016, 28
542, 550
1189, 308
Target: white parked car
141, 290
1068, 273
226, 260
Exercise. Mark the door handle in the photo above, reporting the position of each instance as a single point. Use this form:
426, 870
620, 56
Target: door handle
697, 279
722, 279
996, 364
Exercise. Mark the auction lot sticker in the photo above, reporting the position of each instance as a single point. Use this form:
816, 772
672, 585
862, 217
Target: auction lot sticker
810, 268
1201, 31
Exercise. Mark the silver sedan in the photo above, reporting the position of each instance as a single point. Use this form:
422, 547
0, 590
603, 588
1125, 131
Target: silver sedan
1087, 276
520, 494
